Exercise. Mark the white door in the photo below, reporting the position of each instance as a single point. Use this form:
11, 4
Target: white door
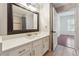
76, 43
54, 28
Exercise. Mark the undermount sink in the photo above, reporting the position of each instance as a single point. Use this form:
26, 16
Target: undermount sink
29, 37
32, 37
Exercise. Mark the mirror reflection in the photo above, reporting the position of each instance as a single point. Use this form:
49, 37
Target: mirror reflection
24, 19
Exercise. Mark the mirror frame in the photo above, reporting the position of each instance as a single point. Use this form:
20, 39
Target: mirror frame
10, 20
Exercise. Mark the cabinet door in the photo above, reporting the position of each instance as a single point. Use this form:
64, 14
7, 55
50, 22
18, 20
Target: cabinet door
45, 44
37, 51
37, 48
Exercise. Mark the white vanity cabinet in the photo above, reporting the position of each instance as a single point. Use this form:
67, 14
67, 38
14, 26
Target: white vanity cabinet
35, 48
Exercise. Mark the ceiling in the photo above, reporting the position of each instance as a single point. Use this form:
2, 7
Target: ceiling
61, 7
56, 5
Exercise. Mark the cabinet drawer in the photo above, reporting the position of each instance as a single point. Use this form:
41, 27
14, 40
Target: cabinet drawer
21, 50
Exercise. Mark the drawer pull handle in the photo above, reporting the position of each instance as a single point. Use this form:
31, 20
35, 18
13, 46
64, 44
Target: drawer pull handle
21, 51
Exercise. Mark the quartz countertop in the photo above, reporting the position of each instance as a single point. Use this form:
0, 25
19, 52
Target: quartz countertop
12, 43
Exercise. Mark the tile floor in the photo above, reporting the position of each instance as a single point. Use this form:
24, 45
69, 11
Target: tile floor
62, 51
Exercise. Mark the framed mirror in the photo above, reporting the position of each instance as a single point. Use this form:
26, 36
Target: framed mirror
21, 20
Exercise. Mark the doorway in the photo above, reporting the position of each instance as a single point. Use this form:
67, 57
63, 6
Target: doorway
66, 28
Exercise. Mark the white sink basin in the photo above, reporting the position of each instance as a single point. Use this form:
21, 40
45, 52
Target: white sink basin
32, 37
29, 37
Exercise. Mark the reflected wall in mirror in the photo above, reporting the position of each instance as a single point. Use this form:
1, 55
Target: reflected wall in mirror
22, 19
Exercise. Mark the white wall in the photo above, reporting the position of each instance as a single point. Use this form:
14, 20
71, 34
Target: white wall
45, 17
3, 19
